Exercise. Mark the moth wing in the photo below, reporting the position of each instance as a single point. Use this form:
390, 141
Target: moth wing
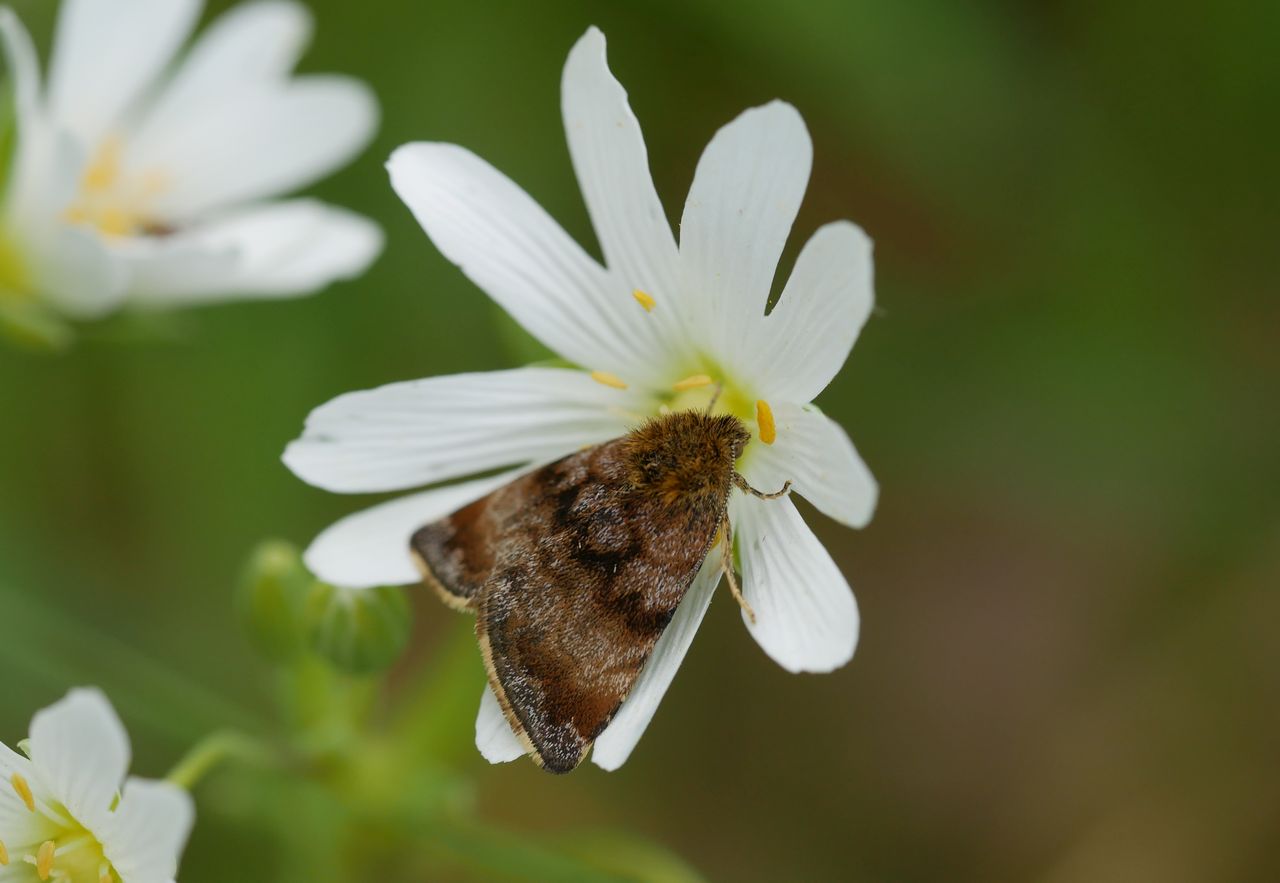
455, 554
587, 576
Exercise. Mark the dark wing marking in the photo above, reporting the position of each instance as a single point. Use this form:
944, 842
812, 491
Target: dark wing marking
587, 574
455, 554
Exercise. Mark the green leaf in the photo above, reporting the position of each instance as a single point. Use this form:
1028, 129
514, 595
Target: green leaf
48, 646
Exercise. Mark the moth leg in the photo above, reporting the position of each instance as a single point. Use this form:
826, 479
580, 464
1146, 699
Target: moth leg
715, 397
741, 484
726, 564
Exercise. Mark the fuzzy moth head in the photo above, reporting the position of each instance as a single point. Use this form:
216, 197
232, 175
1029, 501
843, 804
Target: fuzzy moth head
687, 454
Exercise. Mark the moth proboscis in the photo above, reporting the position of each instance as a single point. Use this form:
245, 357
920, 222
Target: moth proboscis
575, 569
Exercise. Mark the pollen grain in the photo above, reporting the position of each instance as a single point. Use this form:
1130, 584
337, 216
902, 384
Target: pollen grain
645, 299
764, 420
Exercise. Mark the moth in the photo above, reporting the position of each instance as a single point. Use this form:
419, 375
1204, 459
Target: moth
575, 569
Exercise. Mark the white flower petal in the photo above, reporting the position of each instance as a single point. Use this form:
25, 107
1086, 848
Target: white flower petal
24, 66
615, 744
816, 455
806, 617
809, 334
277, 250
371, 547
745, 195
75, 272
107, 53
45, 167
81, 750
245, 47
245, 144
19, 827
612, 166
422, 431
507, 245
144, 838
494, 737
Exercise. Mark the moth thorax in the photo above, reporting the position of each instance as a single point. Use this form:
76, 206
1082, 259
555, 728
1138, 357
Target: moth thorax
686, 454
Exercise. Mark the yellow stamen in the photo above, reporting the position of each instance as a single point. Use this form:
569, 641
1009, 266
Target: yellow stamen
608, 379
104, 873
693, 381
645, 300
764, 420
113, 222
24, 791
44, 859
4, 854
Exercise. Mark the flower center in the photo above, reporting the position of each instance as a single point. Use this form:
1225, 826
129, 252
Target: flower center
708, 387
70, 854
113, 199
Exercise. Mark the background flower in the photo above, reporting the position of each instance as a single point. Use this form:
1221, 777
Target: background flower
67, 813
142, 174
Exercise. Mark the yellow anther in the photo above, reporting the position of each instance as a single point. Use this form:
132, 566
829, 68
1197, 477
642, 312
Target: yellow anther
608, 379
693, 381
764, 420
645, 299
24, 791
44, 859
113, 222
4, 854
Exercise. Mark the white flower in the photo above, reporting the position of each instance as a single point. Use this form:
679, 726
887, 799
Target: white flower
138, 180
653, 330
63, 815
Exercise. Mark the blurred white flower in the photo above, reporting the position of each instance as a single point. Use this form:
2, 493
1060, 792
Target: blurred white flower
655, 329
63, 815
139, 177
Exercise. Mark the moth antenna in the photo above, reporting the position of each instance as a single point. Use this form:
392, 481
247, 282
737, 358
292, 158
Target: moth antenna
741, 484
726, 564
715, 397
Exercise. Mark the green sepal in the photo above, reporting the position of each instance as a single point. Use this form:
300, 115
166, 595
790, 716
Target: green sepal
272, 601
358, 631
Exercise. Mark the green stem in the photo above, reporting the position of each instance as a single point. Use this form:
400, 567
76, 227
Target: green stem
212, 750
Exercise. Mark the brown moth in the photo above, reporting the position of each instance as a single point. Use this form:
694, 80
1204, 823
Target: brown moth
575, 569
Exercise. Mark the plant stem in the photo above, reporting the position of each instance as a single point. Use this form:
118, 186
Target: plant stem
212, 750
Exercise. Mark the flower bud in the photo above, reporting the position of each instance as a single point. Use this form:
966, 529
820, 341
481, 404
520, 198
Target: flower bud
272, 601
358, 631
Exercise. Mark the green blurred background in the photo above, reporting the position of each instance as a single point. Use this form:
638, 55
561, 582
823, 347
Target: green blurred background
1069, 663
